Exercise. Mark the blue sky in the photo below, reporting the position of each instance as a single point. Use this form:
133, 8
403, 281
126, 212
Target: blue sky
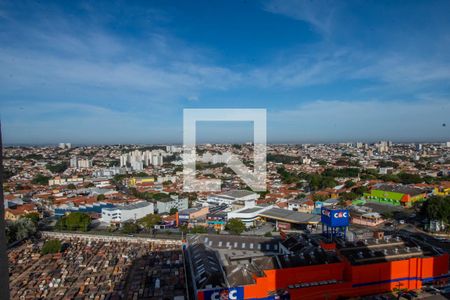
326, 71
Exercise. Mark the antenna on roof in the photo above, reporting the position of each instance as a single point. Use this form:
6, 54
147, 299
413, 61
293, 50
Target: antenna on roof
4, 278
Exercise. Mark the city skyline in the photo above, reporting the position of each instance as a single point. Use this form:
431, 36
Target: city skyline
110, 73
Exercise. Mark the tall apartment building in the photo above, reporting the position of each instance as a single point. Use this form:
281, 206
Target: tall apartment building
65, 145
137, 160
80, 163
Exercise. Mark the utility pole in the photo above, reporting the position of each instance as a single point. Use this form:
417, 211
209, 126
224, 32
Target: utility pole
4, 276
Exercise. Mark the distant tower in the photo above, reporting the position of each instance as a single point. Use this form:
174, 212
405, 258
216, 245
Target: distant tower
74, 162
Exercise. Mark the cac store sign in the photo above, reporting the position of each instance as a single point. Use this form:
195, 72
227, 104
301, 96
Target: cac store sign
224, 294
336, 215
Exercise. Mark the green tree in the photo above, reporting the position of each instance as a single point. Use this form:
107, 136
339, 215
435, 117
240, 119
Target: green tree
437, 208
198, 229
74, 221
349, 183
268, 234
322, 162
141, 174
235, 226
51, 246
71, 186
149, 221
360, 190
100, 197
118, 178
33, 216
319, 197
19, 230
57, 168
25, 228
130, 227
407, 178
349, 196
40, 179
173, 211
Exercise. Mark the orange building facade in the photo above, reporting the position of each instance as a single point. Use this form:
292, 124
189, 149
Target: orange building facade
342, 279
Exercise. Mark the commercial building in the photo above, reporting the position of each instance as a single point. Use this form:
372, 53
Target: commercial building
133, 181
193, 216
248, 215
287, 219
166, 204
396, 194
231, 197
217, 217
308, 267
123, 213
96, 207
109, 172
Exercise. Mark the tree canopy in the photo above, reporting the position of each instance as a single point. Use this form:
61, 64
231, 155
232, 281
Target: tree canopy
33, 216
51, 246
235, 226
57, 168
19, 230
437, 208
130, 227
149, 221
74, 221
40, 179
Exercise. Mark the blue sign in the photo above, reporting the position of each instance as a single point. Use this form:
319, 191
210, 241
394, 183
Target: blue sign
236, 293
335, 217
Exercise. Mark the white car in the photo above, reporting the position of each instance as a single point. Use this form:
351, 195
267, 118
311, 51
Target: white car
401, 222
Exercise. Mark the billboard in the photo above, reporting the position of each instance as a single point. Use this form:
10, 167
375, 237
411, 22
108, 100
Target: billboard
335, 217
235, 293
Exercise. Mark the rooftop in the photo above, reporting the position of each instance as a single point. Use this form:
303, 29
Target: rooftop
387, 249
290, 216
399, 188
237, 193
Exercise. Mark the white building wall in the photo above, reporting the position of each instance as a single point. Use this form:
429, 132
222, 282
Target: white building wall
134, 214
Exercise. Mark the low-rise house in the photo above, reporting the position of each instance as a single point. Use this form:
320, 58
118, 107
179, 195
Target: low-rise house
19, 211
443, 189
301, 205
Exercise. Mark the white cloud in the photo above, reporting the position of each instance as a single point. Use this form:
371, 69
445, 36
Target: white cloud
320, 14
361, 120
